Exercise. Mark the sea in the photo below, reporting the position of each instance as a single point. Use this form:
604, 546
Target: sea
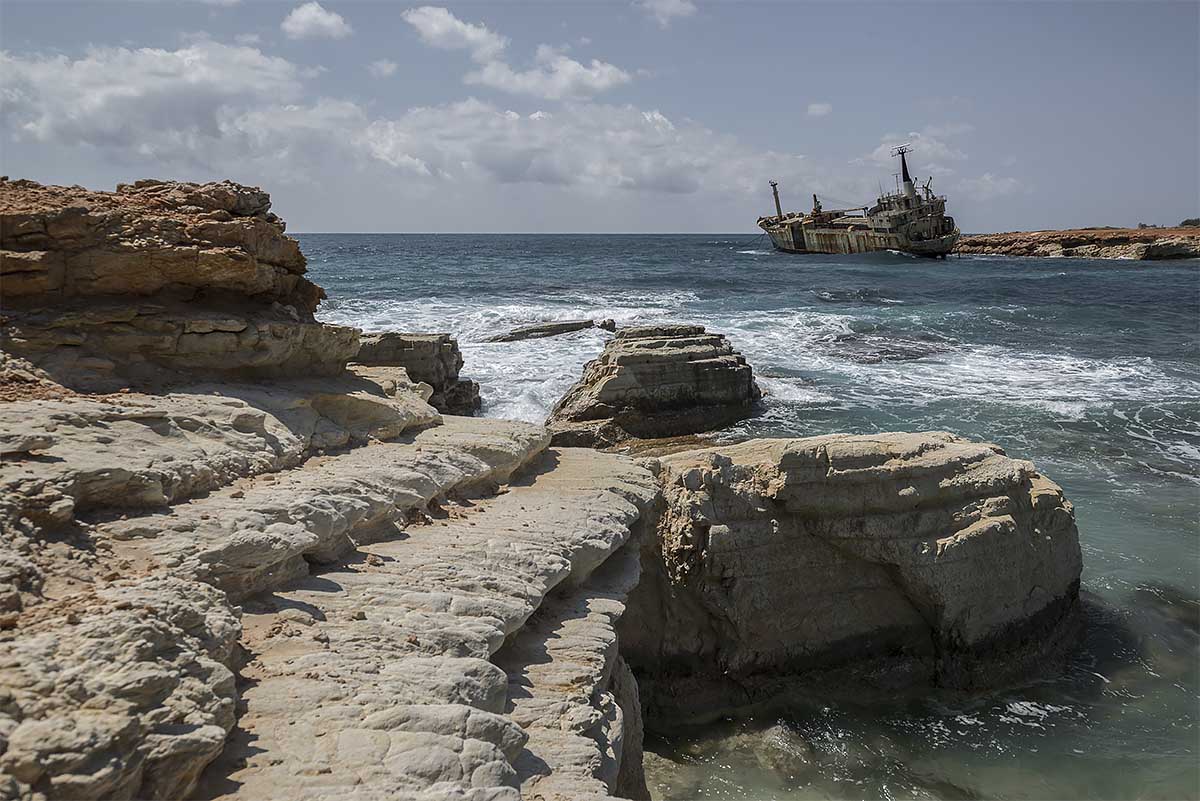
1089, 368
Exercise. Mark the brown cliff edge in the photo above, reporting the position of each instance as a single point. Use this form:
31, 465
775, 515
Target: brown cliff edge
1088, 243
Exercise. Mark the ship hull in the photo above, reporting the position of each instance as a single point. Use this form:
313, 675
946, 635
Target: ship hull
799, 238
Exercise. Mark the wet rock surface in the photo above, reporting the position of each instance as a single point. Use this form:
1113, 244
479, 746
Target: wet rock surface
553, 329
656, 381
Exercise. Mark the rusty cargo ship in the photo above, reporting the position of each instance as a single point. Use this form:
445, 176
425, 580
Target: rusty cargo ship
908, 220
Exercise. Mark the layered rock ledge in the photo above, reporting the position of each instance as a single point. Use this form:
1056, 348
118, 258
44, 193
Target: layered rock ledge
158, 280
1089, 243
431, 359
653, 382
895, 560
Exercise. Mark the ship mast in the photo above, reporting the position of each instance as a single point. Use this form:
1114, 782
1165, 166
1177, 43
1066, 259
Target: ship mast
775, 191
909, 189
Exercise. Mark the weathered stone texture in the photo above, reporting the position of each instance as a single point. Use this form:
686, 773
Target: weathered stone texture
929, 559
433, 359
101, 289
656, 381
1089, 243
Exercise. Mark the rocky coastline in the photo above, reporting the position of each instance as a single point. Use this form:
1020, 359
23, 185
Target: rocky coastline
1142, 244
246, 554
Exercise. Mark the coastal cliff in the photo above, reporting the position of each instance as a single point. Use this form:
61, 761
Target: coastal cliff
239, 558
1089, 243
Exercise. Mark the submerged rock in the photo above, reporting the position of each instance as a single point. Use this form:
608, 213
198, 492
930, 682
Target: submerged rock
433, 359
542, 330
656, 381
907, 559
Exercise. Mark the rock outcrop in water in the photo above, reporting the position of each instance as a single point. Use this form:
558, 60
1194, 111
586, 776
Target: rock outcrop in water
432, 359
656, 381
543, 330
899, 559
268, 582
1089, 243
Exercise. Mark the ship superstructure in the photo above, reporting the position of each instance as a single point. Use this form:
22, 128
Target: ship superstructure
911, 220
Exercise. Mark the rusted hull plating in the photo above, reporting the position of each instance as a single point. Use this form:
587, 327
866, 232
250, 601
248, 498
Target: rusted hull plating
798, 238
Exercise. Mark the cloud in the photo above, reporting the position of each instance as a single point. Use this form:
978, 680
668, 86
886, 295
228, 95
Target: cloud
382, 68
934, 155
555, 77
439, 28
596, 147
149, 101
312, 21
247, 38
665, 11
819, 109
989, 186
210, 109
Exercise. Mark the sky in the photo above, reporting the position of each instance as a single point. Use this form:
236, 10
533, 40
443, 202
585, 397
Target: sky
614, 116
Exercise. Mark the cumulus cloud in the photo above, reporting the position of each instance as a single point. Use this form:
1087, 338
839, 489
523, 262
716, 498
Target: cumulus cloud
598, 147
439, 28
665, 11
312, 21
819, 109
143, 100
382, 68
555, 77
934, 154
989, 186
214, 109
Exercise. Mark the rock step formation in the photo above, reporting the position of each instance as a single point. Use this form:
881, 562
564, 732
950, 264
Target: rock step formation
902, 559
656, 381
130, 628
433, 359
542, 330
91, 454
158, 281
373, 677
251, 536
1089, 243
574, 696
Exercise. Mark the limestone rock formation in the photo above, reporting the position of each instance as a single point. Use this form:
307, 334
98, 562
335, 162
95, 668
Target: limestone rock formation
656, 381
895, 559
103, 288
432, 359
1089, 243
256, 574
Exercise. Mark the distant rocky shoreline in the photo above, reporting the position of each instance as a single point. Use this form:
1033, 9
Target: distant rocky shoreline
1088, 243
245, 554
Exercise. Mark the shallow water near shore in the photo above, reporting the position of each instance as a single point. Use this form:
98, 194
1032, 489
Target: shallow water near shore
1089, 368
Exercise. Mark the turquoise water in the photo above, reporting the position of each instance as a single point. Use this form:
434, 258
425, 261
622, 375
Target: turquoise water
1089, 368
